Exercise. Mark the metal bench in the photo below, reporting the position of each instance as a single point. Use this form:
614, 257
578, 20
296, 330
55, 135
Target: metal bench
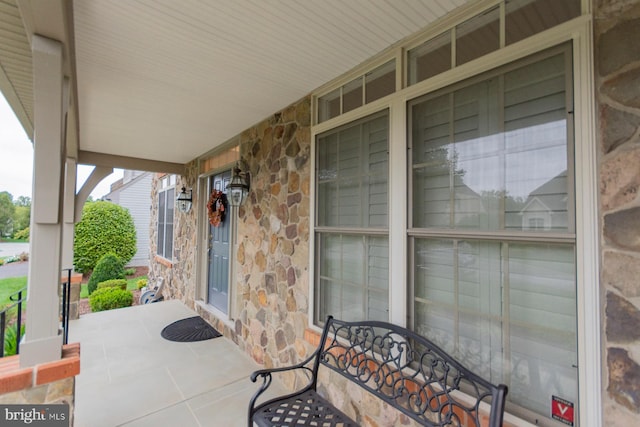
404, 369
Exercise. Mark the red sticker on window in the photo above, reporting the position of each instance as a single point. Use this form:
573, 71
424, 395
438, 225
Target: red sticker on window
562, 410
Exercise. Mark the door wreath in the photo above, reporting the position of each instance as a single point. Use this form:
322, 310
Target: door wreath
216, 207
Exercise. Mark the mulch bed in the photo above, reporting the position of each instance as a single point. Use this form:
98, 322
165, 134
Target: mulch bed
83, 304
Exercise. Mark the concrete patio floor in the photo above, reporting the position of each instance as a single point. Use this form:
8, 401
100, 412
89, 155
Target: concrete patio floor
131, 376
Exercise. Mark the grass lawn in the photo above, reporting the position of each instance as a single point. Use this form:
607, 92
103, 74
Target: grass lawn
10, 286
132, 285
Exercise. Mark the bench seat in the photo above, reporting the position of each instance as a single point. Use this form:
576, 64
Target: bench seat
405, 370
305, 409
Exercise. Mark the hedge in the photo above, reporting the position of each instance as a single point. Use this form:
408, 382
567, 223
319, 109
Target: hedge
110, 298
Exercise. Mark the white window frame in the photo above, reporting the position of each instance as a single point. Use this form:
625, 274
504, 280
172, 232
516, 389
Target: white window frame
578, 31
167, 183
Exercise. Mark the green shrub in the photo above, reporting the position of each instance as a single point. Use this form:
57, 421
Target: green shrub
22, 234
109, 299
1, 261
113, 283
104, 227
129, 271
141, 283
109, 267
10, 341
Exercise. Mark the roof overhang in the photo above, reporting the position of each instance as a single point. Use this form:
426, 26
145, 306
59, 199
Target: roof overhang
156, 84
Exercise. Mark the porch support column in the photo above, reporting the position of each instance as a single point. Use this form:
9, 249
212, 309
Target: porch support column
68, 228
43, 342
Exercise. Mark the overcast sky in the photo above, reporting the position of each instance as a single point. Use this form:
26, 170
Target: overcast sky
16, 159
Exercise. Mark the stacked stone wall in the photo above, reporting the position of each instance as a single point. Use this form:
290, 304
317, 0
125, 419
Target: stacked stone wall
180, 271
617, 70
272, 271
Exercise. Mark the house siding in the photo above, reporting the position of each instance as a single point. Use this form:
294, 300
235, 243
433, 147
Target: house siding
135, 196
617, 70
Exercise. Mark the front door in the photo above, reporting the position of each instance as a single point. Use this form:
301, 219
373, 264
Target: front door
218, 274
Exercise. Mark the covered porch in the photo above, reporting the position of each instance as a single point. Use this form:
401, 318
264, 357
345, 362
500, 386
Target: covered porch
133, 377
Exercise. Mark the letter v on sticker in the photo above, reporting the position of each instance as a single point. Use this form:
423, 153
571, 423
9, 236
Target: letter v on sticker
562, 410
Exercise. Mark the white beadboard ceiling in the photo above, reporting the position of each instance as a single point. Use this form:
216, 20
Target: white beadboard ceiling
169, 80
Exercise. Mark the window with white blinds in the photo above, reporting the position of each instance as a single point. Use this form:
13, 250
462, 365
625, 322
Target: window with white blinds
166, 204
492, 232
352, 220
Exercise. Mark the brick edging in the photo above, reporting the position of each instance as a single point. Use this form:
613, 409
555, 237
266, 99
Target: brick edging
13, 378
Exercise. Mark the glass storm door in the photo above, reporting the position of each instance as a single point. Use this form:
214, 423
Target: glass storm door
218, 274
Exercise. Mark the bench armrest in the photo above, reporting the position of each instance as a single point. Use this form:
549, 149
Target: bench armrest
265, 374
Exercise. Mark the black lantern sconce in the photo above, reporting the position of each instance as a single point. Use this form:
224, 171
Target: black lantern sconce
184, 200
238, 188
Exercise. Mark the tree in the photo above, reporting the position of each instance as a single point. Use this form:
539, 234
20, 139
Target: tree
7, 210
23, 201
104, 227
21, 218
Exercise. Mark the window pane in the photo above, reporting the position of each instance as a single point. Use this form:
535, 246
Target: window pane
381, 81
352, 95
329, 106
352, 181
430, 58
161, 222
168, 243
536, 143
542, 312
432, 154
353, 277
525, 18
505, 310
493, 155
478, 36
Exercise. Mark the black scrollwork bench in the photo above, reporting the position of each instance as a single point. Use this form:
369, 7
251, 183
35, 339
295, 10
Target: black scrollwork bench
400, 367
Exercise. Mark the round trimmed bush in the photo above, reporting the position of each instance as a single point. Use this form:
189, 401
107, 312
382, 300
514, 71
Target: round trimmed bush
109, 267
105, 227
110, 298
113, 283
141, 283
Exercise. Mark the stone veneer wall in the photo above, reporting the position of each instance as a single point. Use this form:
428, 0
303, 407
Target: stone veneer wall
179, 273
272, 259
617, 70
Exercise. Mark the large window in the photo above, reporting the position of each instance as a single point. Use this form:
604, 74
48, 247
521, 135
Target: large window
166, 205
492, 229
352, 243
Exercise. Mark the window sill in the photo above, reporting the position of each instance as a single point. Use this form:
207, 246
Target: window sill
163, 261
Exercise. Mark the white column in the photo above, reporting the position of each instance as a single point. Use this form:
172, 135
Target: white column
68, 227
43, 342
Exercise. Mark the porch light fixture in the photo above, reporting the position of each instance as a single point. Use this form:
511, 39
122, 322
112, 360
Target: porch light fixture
238, 188
184, 200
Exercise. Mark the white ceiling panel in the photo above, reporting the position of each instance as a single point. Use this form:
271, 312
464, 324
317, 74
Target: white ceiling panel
169, 80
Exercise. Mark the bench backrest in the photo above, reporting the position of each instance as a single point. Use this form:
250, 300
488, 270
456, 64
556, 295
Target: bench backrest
410, 373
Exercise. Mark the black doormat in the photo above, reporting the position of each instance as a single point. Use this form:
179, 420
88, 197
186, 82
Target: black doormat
190, 329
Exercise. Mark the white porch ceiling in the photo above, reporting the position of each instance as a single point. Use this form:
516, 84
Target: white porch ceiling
169, 80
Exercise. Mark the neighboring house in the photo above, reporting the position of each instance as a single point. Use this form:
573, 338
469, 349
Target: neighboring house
346, 116
546, 207
133, 192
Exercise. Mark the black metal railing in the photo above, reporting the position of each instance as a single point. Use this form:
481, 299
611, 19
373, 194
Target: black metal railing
17, 299
65, 302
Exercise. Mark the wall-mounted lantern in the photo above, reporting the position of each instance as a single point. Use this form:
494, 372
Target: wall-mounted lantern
238, 188
184, 200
